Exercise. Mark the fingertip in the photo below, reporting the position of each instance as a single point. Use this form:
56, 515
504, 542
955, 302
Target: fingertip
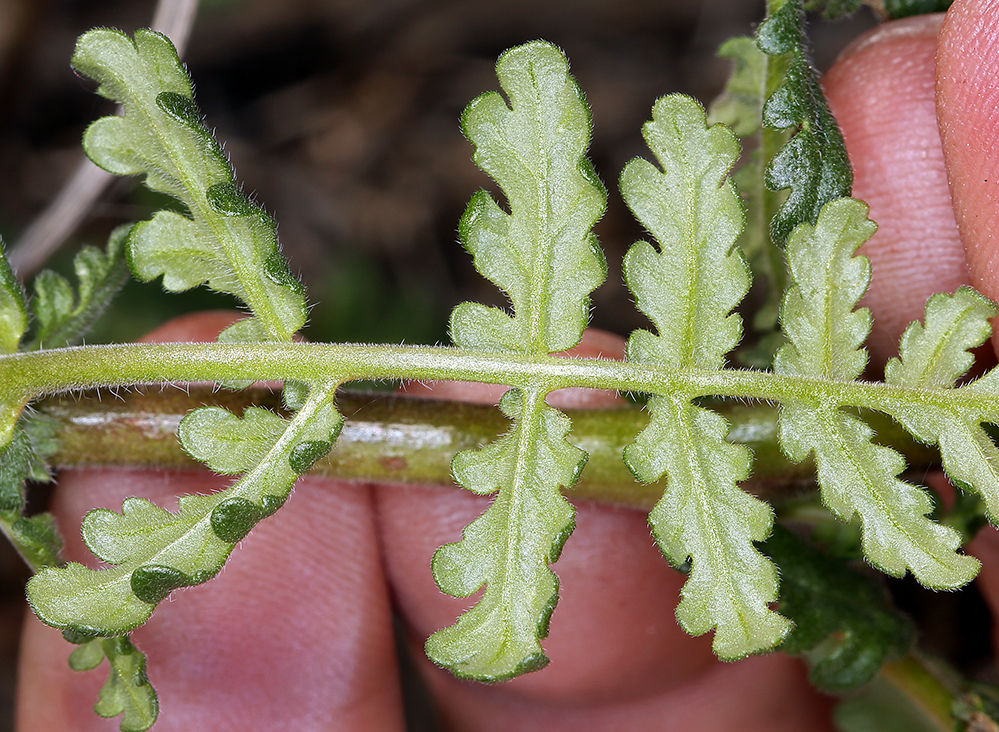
882, 93
295, 631
967, 85
199, 327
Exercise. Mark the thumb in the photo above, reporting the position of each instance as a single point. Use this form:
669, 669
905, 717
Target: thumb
967, 82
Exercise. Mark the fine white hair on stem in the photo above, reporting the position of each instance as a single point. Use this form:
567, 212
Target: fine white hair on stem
172, 18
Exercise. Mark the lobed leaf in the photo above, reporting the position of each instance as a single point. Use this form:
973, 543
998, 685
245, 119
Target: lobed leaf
127, 691
508, 548
544, 256
936, 354
826, 333
13, 311
814, 163
542, 253
63, 316
157, 551
223, 239
857, 477
740, 104
933, 356
703, 516
228, 444
688, 289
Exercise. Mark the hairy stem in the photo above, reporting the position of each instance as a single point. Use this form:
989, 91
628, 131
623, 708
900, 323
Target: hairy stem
30, 375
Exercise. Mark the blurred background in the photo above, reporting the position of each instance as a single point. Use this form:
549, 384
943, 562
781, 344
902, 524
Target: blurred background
341, 118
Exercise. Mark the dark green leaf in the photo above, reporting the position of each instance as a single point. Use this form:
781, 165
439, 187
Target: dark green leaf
15, 463
832, 9
814, 163
127, 691
844, 621
894, 9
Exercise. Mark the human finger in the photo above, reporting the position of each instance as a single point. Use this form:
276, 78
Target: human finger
294, 633
618, 657
968, 112
967, 97
882, 92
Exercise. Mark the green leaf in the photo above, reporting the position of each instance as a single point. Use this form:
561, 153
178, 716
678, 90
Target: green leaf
225, 239
832, 9
43, 434
508, 548
814, 163
826, 333
542, 253
754, 76
127, 691
933, 356
15, 464
740, 105
856, 476
688, 289
703, 516
544, 256
13, 312
156, 551
895, 9
226, 443
37, 539
64, 317
844, 622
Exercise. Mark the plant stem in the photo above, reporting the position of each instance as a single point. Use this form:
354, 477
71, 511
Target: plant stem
399, 439
30, 375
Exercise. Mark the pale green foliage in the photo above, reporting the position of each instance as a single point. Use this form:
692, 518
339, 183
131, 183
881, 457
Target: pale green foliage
156, 551
224, 240
754, 77
64, 316
688, 289
544, 256
13, 313
509, 547
127, 691
933, 356
740, 105
856, 476
226, 443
